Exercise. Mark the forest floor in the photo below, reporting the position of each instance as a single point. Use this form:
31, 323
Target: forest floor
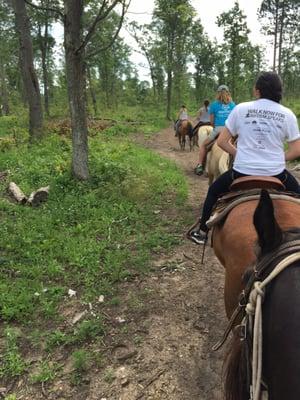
179, 321
159, 337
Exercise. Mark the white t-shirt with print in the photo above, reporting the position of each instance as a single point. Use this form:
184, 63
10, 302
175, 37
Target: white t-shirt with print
262, 127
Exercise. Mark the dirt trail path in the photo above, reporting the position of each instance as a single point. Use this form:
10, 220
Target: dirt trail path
179, 318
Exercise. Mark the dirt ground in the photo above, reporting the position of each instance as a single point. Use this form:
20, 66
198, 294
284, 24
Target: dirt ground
181, 319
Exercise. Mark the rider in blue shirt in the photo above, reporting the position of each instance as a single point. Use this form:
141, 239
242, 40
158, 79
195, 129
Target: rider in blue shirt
219, 111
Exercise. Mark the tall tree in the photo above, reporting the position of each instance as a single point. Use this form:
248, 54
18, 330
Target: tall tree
44, 43
150, 48
30, 80
172, 22
109, 65
279, 18
236, 42
204, 58
77, 38
8, 55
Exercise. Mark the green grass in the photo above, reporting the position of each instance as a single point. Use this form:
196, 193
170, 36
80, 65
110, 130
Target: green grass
88, 236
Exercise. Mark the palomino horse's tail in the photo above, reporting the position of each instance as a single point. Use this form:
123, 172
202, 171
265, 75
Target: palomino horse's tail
203, 132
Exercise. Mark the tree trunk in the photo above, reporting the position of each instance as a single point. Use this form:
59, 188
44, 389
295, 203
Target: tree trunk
31, 84
92, 92
169, 74
44, 52
76, 84
282, 17
275, 37
4, 105
169, 94
152, 74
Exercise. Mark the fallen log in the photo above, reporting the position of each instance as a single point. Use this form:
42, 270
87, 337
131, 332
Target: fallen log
17, 193
39, 196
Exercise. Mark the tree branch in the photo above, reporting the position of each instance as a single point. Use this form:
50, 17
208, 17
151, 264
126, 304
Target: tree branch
100, 17
93, 53
55, 10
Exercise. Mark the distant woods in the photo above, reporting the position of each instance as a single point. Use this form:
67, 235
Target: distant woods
91, 64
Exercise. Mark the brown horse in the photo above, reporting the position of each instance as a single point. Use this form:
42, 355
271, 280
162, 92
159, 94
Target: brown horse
184, 129
272, 223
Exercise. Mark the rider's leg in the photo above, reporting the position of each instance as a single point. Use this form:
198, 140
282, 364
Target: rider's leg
202, 156
290, 182
220, 186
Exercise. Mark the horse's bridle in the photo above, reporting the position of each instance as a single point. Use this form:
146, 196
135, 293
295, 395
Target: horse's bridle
260, 271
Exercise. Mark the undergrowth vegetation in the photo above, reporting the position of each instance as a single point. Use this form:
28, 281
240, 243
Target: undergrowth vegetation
75, 247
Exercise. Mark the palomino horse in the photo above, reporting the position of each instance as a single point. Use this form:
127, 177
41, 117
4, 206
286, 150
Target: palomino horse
276, 226
217, 163
184, 129
217, 160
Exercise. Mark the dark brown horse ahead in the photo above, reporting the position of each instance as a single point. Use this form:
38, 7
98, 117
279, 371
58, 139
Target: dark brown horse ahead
185, 129
276, 224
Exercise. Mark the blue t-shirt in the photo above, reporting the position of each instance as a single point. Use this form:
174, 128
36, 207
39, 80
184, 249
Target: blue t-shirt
220, 111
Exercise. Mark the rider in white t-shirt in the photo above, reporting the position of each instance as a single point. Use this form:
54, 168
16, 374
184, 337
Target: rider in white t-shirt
262, 126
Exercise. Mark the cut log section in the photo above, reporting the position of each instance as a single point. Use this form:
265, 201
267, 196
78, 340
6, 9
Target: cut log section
39, 196
17, 193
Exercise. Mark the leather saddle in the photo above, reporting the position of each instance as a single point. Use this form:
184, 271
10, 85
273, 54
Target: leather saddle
256, 182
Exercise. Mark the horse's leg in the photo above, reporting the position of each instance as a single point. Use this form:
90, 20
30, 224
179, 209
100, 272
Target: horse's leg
180, 140
183, 143
196, 139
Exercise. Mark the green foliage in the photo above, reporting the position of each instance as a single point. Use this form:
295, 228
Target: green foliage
47, 372
88, 235
119, 130
84, 331
88, 330
81, 363
12, 363
236, 47
81, 360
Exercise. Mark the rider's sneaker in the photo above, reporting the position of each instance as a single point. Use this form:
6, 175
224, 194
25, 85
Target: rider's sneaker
199, 237
199, 169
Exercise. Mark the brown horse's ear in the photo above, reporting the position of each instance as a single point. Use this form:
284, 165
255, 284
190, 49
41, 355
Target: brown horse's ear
267, 228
